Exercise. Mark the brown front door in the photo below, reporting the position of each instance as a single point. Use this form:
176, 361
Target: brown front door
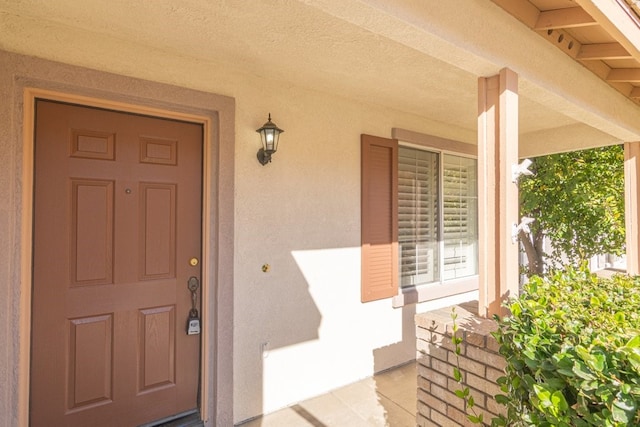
117, 230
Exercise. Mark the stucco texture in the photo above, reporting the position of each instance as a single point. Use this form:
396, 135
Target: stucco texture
299, 329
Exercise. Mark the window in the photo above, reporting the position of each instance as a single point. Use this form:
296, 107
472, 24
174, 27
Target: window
437, 216
418, 219
436, 225
460, 216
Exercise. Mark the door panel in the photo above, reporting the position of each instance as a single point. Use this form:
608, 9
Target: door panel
157, 231
90, 361
91, 232
117, 219
156, 364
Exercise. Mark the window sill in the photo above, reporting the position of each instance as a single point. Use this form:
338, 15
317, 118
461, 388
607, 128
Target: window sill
434, 291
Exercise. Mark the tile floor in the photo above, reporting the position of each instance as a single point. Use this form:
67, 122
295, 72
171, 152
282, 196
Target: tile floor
386, 399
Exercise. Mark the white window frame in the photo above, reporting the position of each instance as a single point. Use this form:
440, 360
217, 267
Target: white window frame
441, 288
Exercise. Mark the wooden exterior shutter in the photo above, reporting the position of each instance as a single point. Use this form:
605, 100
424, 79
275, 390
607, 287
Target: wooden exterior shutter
379, 219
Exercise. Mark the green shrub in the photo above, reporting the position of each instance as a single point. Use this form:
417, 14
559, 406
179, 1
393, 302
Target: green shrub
572, 345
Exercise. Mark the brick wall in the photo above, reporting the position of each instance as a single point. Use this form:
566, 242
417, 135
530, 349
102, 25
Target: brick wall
480, 364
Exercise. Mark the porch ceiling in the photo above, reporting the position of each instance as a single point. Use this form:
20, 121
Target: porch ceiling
602, 37
416, 57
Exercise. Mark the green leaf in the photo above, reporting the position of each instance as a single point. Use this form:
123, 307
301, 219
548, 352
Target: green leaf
460, 394
558, 400
581, 370
515, 309
633, 342
476, 419
623, 409
543, 393
457, 375
634, 360
566, 372
502, 399
597, 362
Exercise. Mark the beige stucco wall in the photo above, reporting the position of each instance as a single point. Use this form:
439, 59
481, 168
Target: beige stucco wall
300, 214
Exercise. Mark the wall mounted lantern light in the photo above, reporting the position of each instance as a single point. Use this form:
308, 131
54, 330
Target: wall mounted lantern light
269, 134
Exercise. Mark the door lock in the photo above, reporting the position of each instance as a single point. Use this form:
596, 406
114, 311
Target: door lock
193, 322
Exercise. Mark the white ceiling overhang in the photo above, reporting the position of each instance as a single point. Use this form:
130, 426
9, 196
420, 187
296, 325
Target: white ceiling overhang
420, 57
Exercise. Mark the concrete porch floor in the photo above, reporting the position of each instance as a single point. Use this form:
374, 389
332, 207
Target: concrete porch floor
386, 399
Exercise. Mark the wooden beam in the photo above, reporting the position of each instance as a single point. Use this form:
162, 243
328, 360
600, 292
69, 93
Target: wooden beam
599, 51
631, 75
563, 41
632, 211
571, 17
524, 11
635, 93
497, 194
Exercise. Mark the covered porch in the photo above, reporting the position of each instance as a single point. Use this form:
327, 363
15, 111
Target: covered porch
512, 79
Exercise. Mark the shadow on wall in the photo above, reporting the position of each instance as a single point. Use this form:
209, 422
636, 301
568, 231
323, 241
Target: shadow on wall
401, 351
283, 314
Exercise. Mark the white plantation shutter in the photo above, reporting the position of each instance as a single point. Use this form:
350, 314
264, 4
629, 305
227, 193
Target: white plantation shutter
418, 190
460, 216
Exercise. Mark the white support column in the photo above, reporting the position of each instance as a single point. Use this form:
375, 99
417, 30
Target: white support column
497, 194
631, 210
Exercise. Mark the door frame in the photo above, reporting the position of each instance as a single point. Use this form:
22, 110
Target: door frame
216, 367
